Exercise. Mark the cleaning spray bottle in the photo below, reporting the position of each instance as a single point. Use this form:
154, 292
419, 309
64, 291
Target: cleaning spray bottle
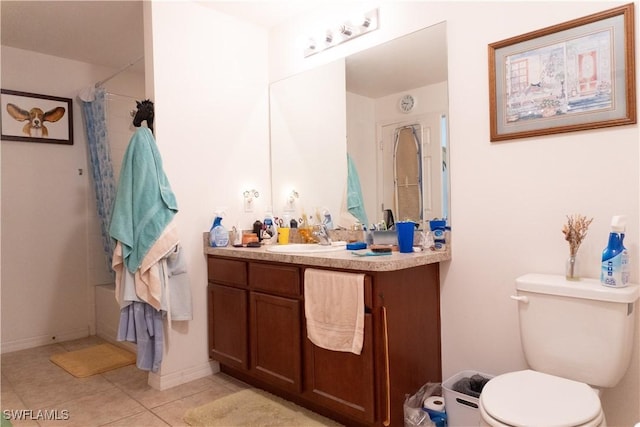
615, 259
270, 230
218, 235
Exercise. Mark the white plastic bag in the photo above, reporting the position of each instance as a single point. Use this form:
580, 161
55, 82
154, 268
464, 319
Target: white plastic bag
414, 415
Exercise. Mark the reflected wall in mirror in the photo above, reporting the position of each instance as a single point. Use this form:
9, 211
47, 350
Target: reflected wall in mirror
308, 145
400, 145
359, 97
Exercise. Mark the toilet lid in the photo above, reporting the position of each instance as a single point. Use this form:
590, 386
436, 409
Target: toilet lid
530, 398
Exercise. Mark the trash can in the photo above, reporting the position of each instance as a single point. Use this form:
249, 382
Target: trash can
462, 395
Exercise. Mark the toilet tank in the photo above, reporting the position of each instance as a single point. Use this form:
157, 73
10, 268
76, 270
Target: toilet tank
579, 330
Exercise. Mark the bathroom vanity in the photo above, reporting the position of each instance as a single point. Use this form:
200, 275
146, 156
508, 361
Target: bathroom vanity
257, 330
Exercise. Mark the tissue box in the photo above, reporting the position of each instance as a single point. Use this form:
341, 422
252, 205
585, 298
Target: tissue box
462, 409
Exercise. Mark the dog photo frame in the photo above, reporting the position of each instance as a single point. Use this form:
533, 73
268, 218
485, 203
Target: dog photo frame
31, 117
573, 76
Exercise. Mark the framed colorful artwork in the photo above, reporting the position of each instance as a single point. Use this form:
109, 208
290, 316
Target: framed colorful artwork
573, 76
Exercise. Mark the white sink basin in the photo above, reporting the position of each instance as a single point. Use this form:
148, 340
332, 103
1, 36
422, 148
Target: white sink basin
304, 248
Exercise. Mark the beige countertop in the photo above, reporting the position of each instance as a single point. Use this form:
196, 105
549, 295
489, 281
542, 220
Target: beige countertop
343, 259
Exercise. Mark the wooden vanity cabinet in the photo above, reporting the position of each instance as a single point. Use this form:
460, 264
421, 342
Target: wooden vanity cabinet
341, 381
275, 325
257, 332
227, 303
255, 320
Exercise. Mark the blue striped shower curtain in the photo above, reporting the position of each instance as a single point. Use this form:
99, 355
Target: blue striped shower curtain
95, 123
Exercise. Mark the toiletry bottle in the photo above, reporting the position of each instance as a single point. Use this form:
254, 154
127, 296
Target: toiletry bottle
257, 229
626, 267
269, 232
327, 221
218, 235
613, 264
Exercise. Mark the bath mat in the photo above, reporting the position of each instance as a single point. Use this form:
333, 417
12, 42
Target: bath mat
254, 408
93, 360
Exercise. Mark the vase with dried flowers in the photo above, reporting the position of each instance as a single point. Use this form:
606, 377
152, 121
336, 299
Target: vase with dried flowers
575, 230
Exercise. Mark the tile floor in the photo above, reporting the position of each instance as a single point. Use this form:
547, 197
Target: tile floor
116, 398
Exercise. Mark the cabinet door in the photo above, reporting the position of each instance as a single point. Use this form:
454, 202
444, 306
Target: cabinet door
343, 381
228, 340
275, 340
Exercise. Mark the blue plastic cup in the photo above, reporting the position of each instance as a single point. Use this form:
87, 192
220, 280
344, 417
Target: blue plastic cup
405, 235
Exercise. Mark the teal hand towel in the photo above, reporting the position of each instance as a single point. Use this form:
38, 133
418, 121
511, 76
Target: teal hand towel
355, 202
145, 203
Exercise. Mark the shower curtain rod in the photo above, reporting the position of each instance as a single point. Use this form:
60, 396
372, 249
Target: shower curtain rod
126, 67
120, 95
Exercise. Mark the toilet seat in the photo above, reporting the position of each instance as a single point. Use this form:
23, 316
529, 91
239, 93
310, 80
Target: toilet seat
530, 398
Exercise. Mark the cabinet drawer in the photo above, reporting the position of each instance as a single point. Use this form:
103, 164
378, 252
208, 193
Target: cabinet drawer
277, 279
227, 271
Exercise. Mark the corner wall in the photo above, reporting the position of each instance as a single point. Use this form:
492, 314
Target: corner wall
212, 129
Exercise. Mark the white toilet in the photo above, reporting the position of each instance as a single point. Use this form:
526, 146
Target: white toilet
575, 335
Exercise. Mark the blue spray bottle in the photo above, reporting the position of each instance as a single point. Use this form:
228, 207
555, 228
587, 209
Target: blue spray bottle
218, 235
615, 259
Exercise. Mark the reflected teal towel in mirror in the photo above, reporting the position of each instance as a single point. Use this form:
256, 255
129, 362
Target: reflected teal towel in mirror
355, 202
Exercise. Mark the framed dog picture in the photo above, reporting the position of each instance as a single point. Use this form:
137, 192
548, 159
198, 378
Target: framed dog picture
31, 117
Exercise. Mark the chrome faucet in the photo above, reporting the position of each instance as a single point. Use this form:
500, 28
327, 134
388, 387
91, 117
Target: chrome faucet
321, 233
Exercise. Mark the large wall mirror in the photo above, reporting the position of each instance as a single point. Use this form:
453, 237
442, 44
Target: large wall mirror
400, 151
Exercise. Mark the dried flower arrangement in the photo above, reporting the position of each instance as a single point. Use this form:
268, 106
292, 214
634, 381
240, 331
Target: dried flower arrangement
575, 230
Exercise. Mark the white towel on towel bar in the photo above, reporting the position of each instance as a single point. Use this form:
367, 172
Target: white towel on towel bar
334, 309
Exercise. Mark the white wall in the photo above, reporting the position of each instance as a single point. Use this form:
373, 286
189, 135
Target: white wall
50, 243
509, 200
305, 137
212, 129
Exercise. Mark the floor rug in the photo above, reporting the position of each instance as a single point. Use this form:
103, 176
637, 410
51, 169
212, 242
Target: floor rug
93, 360
254, 408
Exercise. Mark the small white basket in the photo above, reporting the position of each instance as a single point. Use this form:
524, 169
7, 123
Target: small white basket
462, 409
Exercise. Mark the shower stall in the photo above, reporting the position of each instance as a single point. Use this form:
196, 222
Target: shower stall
116, 120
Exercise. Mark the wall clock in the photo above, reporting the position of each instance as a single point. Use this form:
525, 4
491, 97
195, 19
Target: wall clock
407, 102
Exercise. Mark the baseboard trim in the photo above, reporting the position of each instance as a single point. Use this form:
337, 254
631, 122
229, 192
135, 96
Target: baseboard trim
163, 382
26, 343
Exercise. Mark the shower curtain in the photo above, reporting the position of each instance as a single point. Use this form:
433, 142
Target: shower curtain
95, 124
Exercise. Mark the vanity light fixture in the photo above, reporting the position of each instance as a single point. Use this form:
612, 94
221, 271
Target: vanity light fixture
249, 195
346, 31
328, 38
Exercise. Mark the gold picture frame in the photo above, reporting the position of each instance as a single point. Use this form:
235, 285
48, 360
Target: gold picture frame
572, 76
